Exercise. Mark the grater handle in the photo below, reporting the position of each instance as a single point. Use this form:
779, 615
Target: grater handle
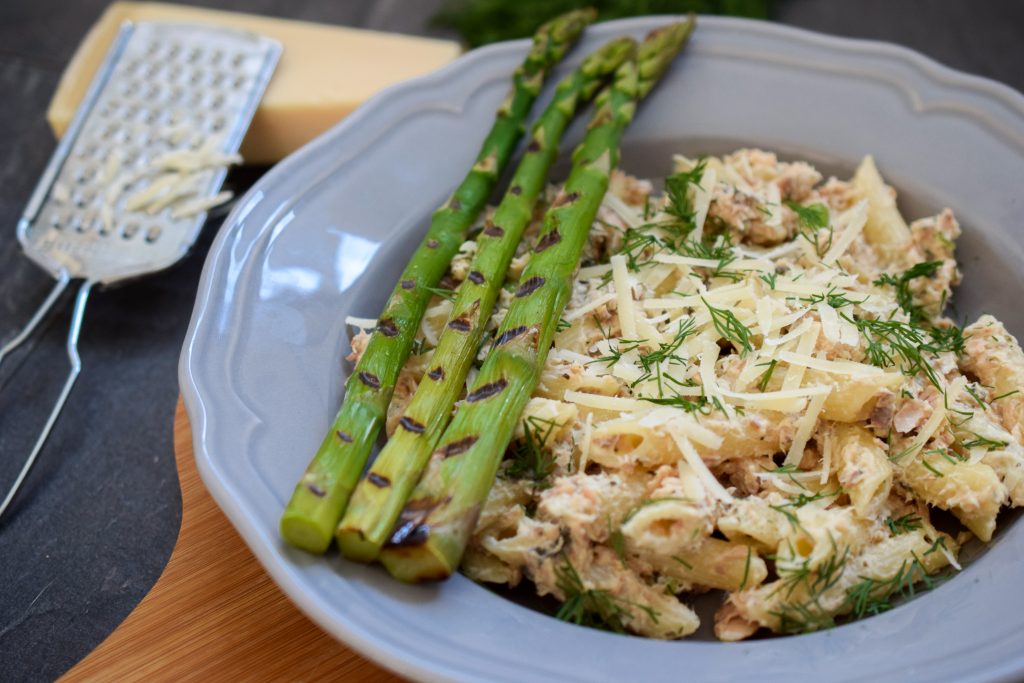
62, 283
69, 383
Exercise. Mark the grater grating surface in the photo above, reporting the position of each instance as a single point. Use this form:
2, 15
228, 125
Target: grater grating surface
167, 96
163, 88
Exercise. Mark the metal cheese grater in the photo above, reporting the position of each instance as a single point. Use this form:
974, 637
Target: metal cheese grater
164, 89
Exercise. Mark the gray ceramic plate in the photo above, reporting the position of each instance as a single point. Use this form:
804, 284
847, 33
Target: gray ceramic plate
326, 232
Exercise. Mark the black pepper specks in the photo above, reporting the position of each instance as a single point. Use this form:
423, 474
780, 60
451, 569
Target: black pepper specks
530, 286
486, 391
433, 244
455, 204
316, 490
387, 327
457, 447
411, 425
492, 230
377, 480
476, 277
547, 240
437, 374
369, 379
344, 436
408, 284
516, 190
509, 335
534, 146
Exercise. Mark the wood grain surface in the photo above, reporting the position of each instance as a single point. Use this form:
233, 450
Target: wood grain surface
215, 614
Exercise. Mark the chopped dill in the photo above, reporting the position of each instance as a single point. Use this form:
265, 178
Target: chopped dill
788, 514
769, 279
720, 250
729, 327
593, 607
901, 283
767, 376
980, 441
617, 541
903, 525
562, 325
949, 338
801, 499
974, 394
891, 342
833, 298
680, 205
746, 569
1007, 394
682, 562
809, 614
811, 219
874, 596
700, 405
931, 468
529, 458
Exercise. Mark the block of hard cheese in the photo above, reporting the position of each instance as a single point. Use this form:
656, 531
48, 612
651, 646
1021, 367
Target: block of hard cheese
325, 71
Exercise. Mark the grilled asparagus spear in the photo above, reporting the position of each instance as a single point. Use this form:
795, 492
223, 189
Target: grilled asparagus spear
320, 496
435, 525
379, 497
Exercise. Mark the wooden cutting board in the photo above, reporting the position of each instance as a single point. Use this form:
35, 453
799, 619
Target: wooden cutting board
215, 614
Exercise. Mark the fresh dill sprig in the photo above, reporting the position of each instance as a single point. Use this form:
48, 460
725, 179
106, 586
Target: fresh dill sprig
812, 219
808, 614
801, 499
593, 607
901, 283
891, 342
949, 338
562, 325
903, 525
729, 327
529, 458
680, 205
770, 279
833, 297
813, 216
874, 596
720, 250
698, 405
980, 441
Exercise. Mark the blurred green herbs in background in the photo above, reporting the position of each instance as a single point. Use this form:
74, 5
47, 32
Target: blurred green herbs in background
488, 21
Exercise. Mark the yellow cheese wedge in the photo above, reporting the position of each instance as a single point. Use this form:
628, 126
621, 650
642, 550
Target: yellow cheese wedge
325, 71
